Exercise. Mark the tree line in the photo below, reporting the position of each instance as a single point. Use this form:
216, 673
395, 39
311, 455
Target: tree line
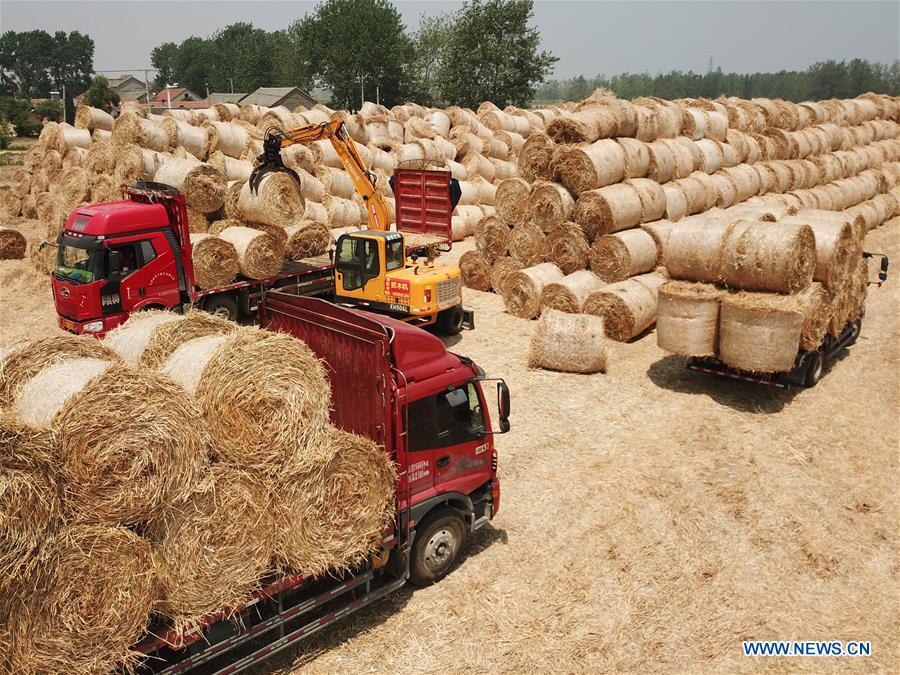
822, 80
361, 48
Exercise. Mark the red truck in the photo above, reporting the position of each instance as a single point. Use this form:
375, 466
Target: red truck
122, 257
428, 408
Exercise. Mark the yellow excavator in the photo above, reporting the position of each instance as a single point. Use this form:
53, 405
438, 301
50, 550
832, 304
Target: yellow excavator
376, 268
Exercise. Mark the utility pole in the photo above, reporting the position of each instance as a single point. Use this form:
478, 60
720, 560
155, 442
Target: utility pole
231, 80
64, 102
362, 91
147, 88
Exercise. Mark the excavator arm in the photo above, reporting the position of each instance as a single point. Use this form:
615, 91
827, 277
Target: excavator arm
270, 161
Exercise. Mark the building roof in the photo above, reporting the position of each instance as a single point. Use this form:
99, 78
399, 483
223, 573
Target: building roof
133, 95
175, 92
225, 97
273, 96
118, 82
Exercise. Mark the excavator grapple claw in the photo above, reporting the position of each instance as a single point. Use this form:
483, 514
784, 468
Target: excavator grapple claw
270, 161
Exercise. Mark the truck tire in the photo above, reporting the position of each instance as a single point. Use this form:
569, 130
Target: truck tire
224, 306
814, 369
436, 547
450, 321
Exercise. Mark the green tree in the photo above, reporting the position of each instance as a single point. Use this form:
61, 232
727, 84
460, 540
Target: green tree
163, 58
72, 62
29, 54
100, 95
493, 55
242, 56
429, 49
828, 79
354, 47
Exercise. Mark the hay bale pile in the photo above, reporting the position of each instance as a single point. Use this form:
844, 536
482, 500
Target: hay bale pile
755, 292
607, 180
168, 472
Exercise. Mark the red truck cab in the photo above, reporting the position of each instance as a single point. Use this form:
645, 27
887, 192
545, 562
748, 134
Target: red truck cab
121, 257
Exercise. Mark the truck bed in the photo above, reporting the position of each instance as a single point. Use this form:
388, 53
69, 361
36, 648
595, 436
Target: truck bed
319, 268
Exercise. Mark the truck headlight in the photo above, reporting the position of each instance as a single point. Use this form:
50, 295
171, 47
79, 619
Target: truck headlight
93, 327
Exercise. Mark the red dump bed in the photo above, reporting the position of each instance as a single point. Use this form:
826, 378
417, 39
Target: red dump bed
423, 202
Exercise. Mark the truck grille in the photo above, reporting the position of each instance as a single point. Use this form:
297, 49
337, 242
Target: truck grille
447, 292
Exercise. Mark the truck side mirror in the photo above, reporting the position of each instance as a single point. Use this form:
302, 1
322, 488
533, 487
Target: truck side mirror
503, 405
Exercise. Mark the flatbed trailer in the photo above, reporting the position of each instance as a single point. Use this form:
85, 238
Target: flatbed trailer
379, 370
808, 369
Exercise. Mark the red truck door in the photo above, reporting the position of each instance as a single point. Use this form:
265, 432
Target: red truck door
448, 443
140, 271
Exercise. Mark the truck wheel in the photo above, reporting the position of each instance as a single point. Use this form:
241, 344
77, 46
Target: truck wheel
222, 306
450, 321
814, 369
436, 547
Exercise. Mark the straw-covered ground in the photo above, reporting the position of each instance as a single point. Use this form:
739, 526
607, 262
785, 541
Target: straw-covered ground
651, 518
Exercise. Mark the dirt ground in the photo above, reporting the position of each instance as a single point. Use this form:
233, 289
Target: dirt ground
652, 518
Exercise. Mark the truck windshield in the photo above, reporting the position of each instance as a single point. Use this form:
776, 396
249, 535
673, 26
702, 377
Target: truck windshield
78, 259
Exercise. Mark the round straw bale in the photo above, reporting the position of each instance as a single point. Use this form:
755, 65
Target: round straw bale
512, 200
336, 182
230, 138
759, 332
130, 128
214, 551
260, 254
647, 123
352, 471
686, 155
475, 270
693, 248
618, 256
264, 395
197, 140
694, 123
29, 206
12, 244
652, 196
567, 247
131, 338
699, 197
662, 162
726, 193
492, 238
834, 241
277, 201
215, 261
342, 212
687, 322
503, 169
19, 366
202, 185
232, 169
316, 212
477, 164
570, 343
87, 117
94, 605
522, 290
487, 191
768, 256
550, 204
659, 230
166, 337
104, 188
676, 201
30, 500
711, 155
307, 239
591, 166
231, 205
569, 294
627, 308
129, 442
535, 157
637, 157
527, 243
608, 209
500, 272
584, 126
815, 303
